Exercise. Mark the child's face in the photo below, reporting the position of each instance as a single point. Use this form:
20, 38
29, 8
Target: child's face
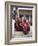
20, 19
27, 21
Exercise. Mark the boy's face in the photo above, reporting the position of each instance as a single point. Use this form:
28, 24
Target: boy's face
20, 19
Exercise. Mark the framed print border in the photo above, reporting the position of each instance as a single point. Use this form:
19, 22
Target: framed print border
8, 25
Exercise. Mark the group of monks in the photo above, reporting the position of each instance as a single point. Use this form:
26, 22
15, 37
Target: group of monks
22, 25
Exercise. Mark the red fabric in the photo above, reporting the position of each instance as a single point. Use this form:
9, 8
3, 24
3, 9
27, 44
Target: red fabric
26, 27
